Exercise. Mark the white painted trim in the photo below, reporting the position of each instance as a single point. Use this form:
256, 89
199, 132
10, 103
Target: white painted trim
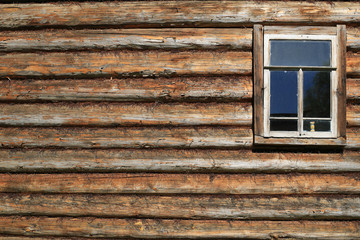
333, 76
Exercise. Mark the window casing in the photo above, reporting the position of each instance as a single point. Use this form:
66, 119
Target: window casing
299, 85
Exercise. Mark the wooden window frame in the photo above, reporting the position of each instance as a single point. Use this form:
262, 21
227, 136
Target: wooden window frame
337, 35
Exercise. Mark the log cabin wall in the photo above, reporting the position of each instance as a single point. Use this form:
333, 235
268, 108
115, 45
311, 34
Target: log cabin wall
134, 120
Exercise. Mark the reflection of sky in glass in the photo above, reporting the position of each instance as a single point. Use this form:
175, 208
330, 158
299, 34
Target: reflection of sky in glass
300, 53
283, 94
316, 94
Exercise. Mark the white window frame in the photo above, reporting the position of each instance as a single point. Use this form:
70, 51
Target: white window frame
334, 76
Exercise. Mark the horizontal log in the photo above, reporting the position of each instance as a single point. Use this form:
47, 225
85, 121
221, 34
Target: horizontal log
353, 138
110, 39
182, 183
128, 89
183, 38
193, 229
353, 89
141, 137
177, 14
125, 114
353, 115
353, 38
124, 63
172, 160
193, 207
352, 64
87, 114
190, 137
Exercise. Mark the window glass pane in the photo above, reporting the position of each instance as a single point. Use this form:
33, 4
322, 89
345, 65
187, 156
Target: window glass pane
316, 125
316, 94
283, 125
300, 53
283, 94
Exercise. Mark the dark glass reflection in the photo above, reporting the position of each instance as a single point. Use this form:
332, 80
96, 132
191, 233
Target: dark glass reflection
283, 94
283, 125
316, 94
300, 53
318, 125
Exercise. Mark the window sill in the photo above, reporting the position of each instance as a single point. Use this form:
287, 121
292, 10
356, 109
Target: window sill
341, 141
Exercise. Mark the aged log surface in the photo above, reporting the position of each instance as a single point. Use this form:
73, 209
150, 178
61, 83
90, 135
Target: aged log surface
194, 207
124, 63
258, 86
179, 13
136, 63
143, 137
109, 39
195, 229
353, 115
172, 160
353, 89
184, 38
140, 137
353, 38
353, 138
125, 114
352, 64
197, 89
182, 183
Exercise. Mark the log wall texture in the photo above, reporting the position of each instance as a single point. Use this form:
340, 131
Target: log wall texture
134, 120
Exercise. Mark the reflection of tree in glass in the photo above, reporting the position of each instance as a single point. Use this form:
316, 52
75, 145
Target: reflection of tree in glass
317, 95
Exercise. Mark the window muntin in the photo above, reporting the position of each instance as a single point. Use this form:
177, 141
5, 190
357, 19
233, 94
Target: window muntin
299, 86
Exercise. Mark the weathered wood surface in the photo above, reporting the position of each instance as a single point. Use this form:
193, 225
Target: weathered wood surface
353, 138
124, 63
353, 115
143, 89
126, 114
353, 38
193, 207
220, 89
258, 74
139, 137
182, 183
195, 229
353, 64
179, 13
353, 89
110, 39
183, 38
136, 63
142, 137
341, 82
172, 160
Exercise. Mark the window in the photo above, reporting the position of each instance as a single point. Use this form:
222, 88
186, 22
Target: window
299, 85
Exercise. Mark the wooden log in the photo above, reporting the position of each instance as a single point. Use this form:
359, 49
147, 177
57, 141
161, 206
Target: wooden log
110, 39
220, 89
162, 160
194, 229
353, 38
353, 138
353, 89
193, 207
146, 137
353, 64
142, 183
353, 115
177, 14
183, 38
124, 63
125, 114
